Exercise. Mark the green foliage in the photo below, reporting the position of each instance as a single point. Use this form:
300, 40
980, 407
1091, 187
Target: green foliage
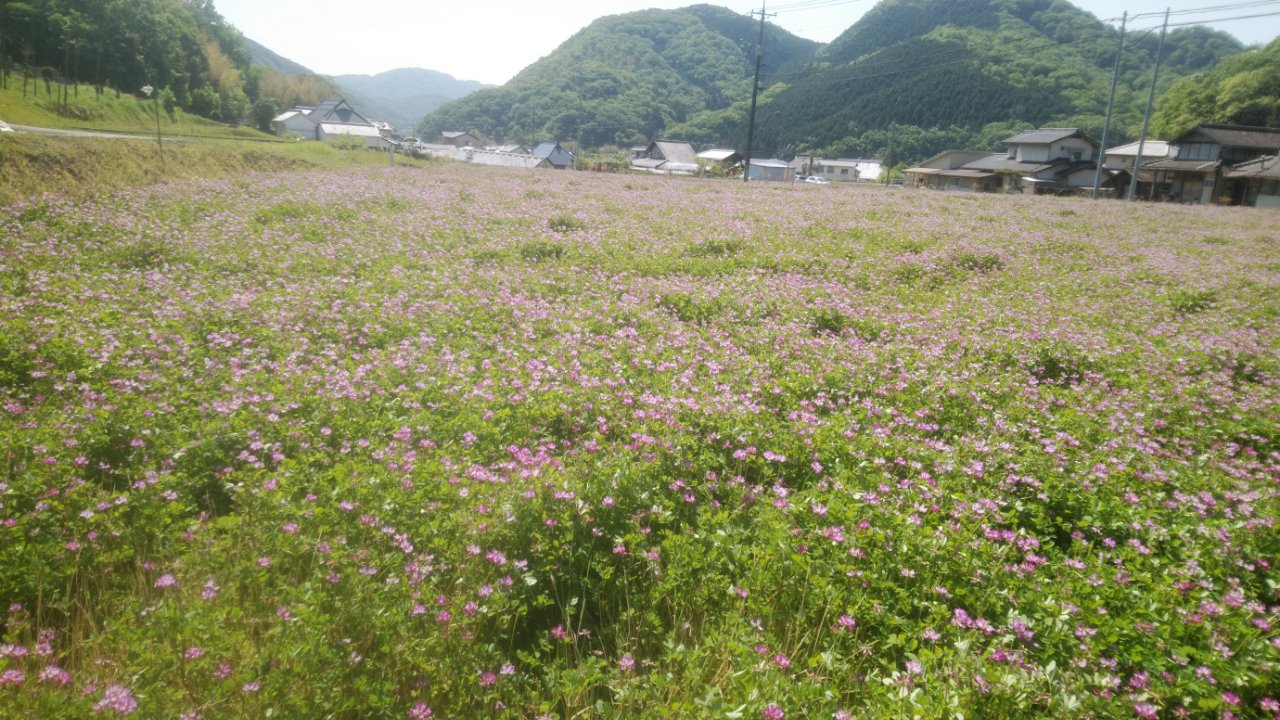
541, 250
1242, 90
182, 46
625, 79
566, 223
909, 79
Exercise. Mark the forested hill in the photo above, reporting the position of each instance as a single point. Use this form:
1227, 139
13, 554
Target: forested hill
184, 48
910, 78
626, 78
915, 76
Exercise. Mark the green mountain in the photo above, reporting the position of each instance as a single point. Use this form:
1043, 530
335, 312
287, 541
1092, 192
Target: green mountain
914, 75
626, 78
911, 77
268, 58
1244, 89
401, 97
183, 48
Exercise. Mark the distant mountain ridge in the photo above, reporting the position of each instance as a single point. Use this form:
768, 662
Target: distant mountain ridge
400, 97
625, 78
264, 56
403, 96
911, 77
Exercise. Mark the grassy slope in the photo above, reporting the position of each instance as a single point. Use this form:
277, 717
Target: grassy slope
194, 147
31, 165
88, 111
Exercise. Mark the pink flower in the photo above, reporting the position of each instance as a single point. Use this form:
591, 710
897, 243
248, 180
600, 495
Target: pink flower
12, 677
166, 581
118, 699
772, 712
627, 663
56, 675
781, 661
1147, 711
419, 712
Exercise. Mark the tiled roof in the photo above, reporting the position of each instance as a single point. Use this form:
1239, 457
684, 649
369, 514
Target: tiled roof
965, 172
677, 151
1001, 161
1244, 136
1044, 136
955, 158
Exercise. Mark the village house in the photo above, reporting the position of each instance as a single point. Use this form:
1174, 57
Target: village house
1220, 164
333, 119
457, 139
838, 169
930, 173
666, 156
1117, 164
556, 156
769, 170
720, 159
1043, 160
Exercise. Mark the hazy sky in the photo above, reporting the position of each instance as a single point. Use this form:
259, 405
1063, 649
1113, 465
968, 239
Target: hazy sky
492, 40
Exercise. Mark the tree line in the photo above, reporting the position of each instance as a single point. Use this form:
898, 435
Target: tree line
183, 48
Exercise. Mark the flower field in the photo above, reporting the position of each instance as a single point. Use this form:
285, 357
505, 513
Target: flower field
458, 443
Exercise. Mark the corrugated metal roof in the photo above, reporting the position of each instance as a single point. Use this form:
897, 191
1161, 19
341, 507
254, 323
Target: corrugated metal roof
769, 163
717, 155
1267, 168
1152, 149
286, 115
349, 129
1045, 136
1244, 136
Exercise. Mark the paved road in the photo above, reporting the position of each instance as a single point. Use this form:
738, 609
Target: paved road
76, 133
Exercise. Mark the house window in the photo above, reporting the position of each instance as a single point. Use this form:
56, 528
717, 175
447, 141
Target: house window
844, 172
1076, 155
1197, 151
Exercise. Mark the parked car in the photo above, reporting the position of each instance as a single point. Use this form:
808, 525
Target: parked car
817, 180
801, 178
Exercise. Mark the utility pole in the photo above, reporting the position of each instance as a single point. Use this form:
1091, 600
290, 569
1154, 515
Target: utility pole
1111, 101
755, 91
1146, 118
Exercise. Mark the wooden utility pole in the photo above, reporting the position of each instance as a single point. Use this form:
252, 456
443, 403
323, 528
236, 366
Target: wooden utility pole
755, 91
1146, 118
1111, 101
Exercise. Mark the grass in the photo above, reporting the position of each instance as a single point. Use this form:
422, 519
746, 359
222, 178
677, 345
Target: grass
387, 443
87, 110
194, 147
32, 164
